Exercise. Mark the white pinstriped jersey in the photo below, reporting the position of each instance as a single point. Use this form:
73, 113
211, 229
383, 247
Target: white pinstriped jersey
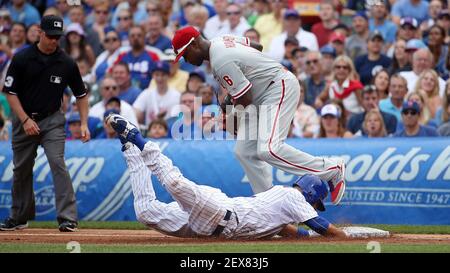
262, 215
239, 67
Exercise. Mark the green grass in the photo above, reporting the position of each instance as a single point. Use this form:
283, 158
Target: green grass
139, 226
226, 248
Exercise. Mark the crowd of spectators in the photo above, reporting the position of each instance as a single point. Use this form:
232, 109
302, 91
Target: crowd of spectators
367, 68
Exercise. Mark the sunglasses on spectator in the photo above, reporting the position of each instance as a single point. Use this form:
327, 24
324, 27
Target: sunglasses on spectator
111, 39
151, 10
112, 87
53, 37
314, 61
233, 13
123, 18
410, 112
101, 11
341, 67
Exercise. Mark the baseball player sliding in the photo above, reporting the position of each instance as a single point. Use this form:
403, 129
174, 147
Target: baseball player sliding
205, 211
251, 78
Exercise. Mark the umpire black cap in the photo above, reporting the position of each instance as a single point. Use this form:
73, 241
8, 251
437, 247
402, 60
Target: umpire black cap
52, 25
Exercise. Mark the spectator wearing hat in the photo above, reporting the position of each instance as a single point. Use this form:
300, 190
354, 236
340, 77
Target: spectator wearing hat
74, 126
159, 102
237, 24
380, 21
356, 44
330, 126
217, 22
337, 41
293, 29
368, 64
178, 78
107, 131
76, 46
411, 125
408, 28
328, 21
409, 8
108, 90
397, 91
24, 12
422, 59
328, 56
196, 78
271, 24
121, 74
298, 61
77, 15
370, 101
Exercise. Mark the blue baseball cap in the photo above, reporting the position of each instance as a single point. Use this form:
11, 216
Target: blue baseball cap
110, 111
162, 66
328, 49
199, 73
415, 44
291, 13
361, 14
74, 117
410, 105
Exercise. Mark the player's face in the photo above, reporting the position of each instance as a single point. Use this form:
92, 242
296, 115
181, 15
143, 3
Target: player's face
193, 56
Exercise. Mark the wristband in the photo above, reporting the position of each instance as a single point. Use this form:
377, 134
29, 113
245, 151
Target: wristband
302, 232
23, 123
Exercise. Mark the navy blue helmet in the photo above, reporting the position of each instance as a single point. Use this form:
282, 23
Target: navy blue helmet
314, 189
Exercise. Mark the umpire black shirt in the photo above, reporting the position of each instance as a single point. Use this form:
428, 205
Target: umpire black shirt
39, 79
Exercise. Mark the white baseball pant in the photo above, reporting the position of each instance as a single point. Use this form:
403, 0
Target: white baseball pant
275, 114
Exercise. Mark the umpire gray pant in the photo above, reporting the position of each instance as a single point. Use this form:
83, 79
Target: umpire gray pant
52, 139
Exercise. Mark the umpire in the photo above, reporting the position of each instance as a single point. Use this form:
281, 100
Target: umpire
34, 85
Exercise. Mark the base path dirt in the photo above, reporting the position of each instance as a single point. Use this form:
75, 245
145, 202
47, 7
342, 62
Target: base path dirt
104, 236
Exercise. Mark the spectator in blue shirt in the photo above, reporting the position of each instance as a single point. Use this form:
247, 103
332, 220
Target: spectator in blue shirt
121, 74
380, 22
397, 90
410, 8
369, 64
370, 100
23, 12
412, 128
155, 37
315, 81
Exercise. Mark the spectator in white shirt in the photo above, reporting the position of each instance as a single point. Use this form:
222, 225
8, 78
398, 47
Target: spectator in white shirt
422, 60
159, 102
219, 21
292, 25
109, 89
237, 25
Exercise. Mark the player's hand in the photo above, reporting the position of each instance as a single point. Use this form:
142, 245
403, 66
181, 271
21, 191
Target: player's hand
85, 134
31, 128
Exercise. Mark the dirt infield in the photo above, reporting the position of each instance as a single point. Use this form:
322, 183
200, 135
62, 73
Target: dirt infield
105, 236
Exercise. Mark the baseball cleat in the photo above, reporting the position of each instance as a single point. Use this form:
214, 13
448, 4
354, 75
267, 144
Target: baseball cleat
337, 185
126, 130
10, 225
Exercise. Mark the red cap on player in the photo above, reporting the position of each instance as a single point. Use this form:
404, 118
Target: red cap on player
182, 39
